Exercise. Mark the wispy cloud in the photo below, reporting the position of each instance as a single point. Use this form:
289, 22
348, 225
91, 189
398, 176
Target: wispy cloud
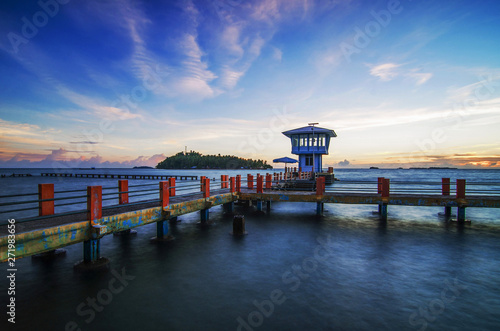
385, 72
389, 71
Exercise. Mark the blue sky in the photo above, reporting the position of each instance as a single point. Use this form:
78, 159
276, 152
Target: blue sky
124, 83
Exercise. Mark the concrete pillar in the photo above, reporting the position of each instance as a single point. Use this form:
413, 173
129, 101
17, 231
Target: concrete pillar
92, 247
259, 205
204, 215
228, 207
239, 225
319, 208
461, 195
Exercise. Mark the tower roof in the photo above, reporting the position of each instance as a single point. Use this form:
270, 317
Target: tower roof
309, 129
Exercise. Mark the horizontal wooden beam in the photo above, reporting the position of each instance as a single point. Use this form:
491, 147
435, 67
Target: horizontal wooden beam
400, 199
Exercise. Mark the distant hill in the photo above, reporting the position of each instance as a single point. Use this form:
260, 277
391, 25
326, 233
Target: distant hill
195, 160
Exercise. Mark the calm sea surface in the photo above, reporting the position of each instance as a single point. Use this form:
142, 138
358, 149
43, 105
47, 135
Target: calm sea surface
344, 270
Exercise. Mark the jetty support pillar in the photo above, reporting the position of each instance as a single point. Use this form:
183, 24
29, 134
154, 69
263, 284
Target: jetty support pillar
385, 198
461, 200
204, 213
259, 205
445, 191
92, 248
228, 207
380, 182
239, 225
320, 191
162, 227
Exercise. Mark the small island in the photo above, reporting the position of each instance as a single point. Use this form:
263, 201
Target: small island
195, 160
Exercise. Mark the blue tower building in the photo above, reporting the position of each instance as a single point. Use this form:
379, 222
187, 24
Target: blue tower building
310, 143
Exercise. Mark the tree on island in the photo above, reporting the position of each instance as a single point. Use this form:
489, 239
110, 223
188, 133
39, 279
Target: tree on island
196, 160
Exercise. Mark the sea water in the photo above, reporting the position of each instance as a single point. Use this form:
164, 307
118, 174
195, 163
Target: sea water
344, 270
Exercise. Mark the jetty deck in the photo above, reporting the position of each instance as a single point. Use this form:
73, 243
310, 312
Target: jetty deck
48, 230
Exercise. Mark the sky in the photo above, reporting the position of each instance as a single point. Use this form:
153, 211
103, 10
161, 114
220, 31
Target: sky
128, 83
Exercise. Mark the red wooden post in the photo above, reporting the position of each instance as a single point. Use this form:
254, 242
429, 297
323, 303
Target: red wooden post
45, 191
238, 183
460, 188
94, 202
250, 181
206, 188
445, 186
232, 181
222, 179
259, 184
202, 181
268, 181
164, 194
386, 183
380, 182
171, 185
122, 187
320, 185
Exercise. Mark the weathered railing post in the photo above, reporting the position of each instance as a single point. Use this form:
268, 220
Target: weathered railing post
123, 191
45, 208
222, 181
202, 181
269, 181
445, 191
386, 183
171, 185
238, 183
250, 181
259, 184
232, 181
45, 192
320, 191
461, 196
206, 188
